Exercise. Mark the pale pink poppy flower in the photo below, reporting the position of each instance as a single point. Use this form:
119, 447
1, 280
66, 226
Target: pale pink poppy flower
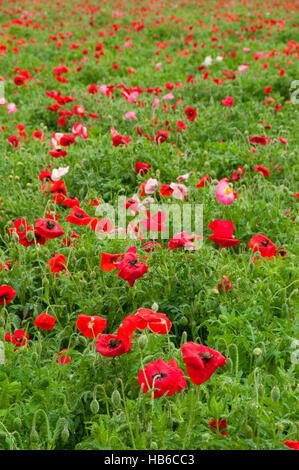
224, 192
179, 191
159, 66
128, 44
242, 68
169, 96
57, 174
183, 178
185, 240
154, 223
55, 140
2, 101
11, 108
151, 186
155, 103
133, 96
113, 131
246, 49
130, 115
103, 89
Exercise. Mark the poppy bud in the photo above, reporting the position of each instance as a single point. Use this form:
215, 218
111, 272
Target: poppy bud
93, 275
15, 236
34, 437
207, 163
215, 291
275, 393
94, 406
142, 342
285, 309
257, 352
154, 445
30, 236
260, 390
155, 307
184, 321
17, 422
184, 338
297, 220
229, 363
280, 427
248, 431
116, 399
65, 434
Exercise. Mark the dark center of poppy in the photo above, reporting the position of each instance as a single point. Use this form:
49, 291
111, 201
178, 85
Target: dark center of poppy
265, 243
205, 356
5, 296
114, 343
50, 225
79, 215
133, 262
159, 375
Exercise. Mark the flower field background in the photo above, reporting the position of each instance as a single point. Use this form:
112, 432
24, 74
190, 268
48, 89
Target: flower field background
142, 342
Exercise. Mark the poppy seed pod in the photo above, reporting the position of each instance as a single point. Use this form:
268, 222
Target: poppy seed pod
142, 342
275, 393
116, 399
94, 406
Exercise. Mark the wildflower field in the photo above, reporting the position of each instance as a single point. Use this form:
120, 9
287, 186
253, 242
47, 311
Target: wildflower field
121, 327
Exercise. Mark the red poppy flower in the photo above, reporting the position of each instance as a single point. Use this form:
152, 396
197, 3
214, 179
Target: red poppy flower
165, 378
223, 233
58, 187
155, 321
48, 228
73, 236
19, 81
91, 326
238, 173
264, 245
93, 89
262, 169
222, 424
58, 153
201, 361
7, 293
45, 321
120, 140
71, 202
130, 268
161, 136
190, 113
46, 174
13, 140
203, 181
57, 264
67, 139
166, 190
116, 345
150, 246
142, 168
38, 135
108, 261
154, 223
261, 140
19, 338
78, 217
294, 445
63, 359
224, 283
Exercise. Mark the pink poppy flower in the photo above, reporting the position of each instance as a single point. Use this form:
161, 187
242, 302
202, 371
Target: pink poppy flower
130, 115
151, 186
11, 108
155, 103
179, 191
224, 193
